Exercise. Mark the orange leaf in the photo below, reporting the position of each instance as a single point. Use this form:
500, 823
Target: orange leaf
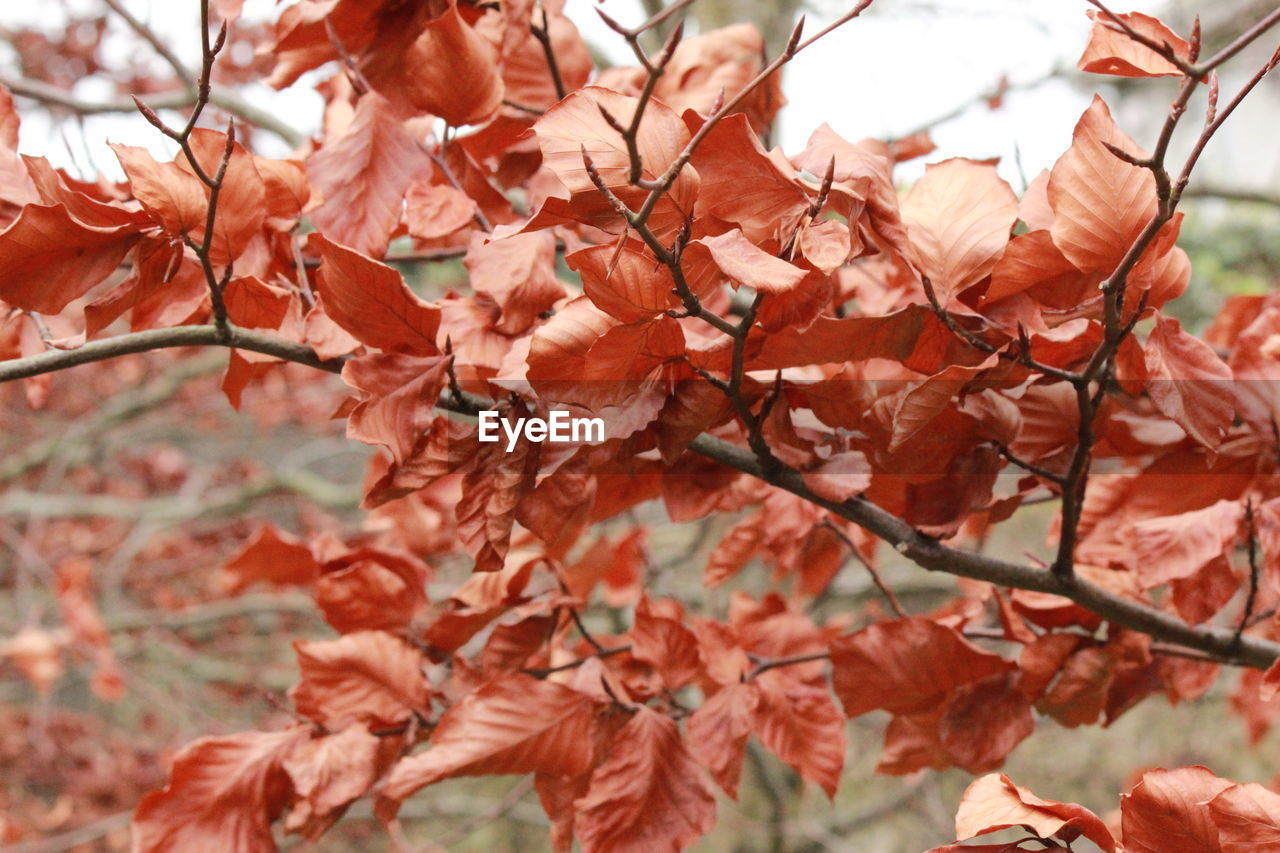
1168, 812
905, 666
1177, 546
519, 272
576, 122
370, 676
363, 176
254, 304
223, 794
801, 725
1189, 383
742, 184
171, 194
449, 70
1100, 202
48, 257
993, 803
1247, 818
840, 477
242, 199
666, 645
958, 219
513, 725
627, 282
649, 795
369, 589
371, 301
1112, 51
747, 264
273, 556
433, 211
400, 395
718, 732
718, 64
328, 773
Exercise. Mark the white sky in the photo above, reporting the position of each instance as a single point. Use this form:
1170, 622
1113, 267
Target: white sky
881, 75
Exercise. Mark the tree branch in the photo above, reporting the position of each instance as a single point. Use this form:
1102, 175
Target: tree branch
923, 551
176, 100
154, 339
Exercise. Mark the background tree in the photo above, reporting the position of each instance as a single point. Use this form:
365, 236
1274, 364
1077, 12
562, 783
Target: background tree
795, 360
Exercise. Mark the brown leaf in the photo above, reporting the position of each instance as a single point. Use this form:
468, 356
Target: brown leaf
958, 219
363, 175
273, 556
1168, 812
1189, 383
371, 301
1100, 202
1112, 51
718, 732
905, 666
648, 795
993, 803
49, 258
369, 676
223, 794
516, 724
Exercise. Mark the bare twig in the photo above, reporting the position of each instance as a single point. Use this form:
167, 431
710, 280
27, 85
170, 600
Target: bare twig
154, 339
543, 672
884, 588
1247, 38
159, 45
52, 96
763, 665
1044, 473
543, 35
1254, 570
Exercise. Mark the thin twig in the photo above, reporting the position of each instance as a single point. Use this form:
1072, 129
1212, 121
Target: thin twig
543, 672
1044, 473
52, 96
884, 588
543, 35
763, 664
1254, 570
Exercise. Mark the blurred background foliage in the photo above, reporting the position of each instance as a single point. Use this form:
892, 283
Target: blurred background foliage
194, 662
